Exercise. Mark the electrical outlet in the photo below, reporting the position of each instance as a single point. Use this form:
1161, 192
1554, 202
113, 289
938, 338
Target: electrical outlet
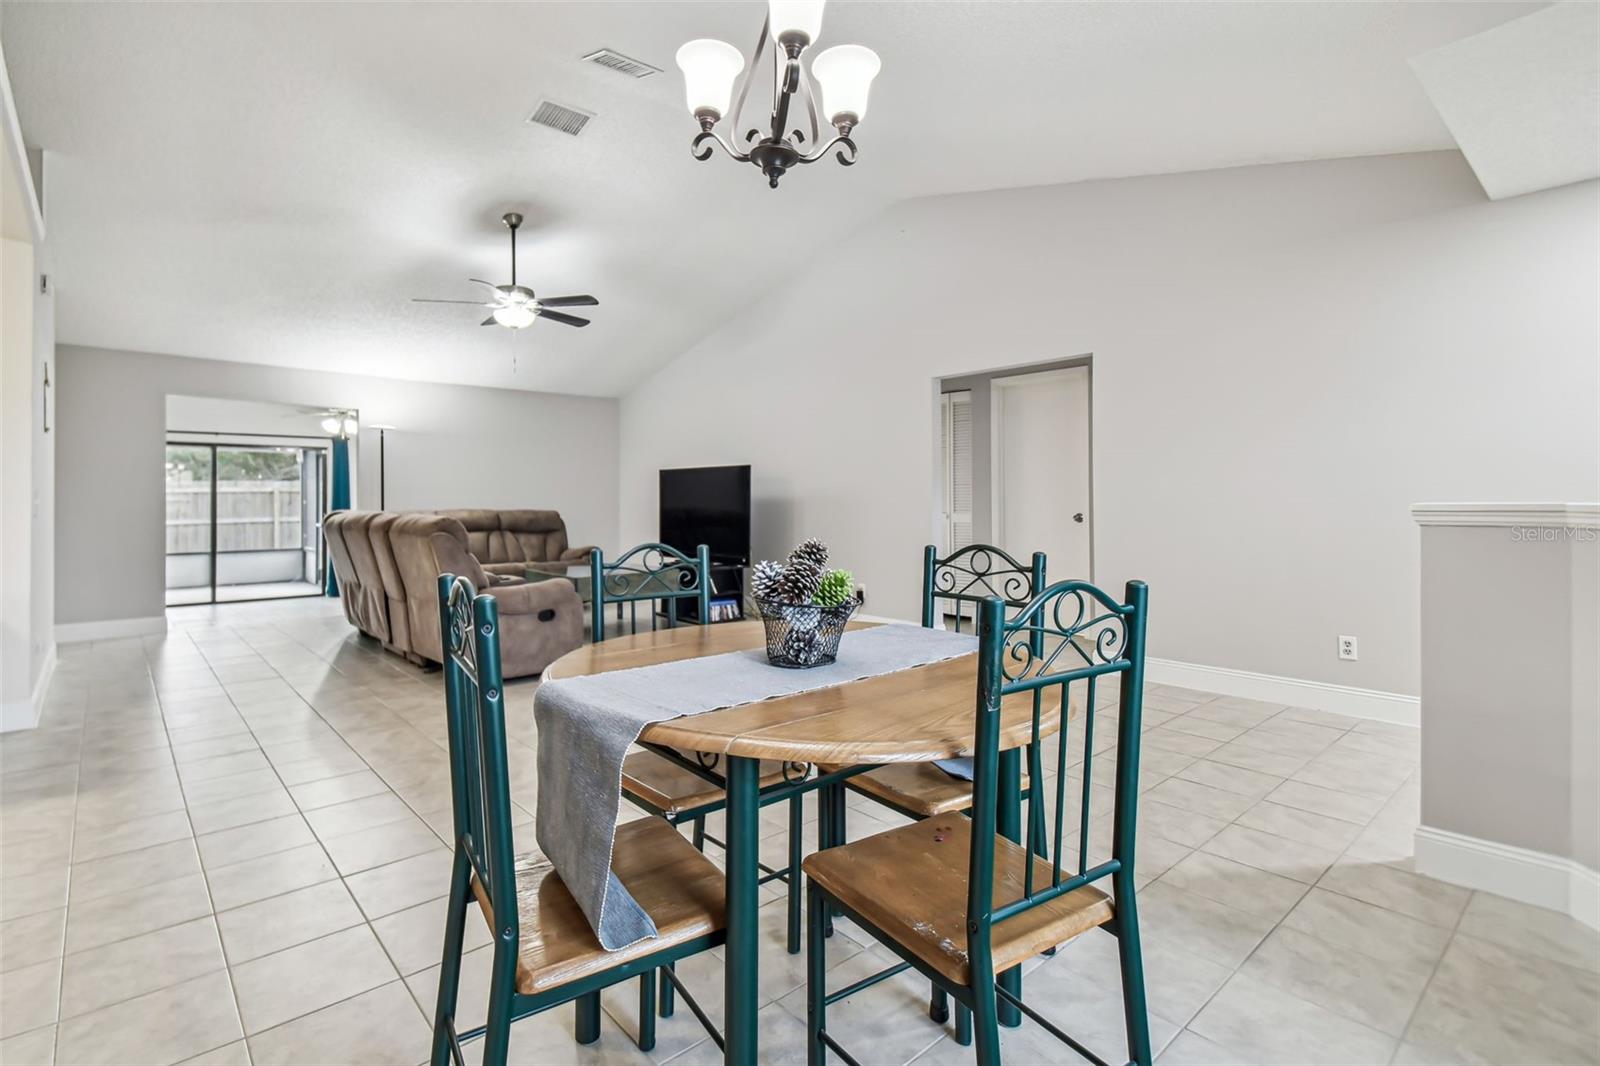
861, 593
1347, 648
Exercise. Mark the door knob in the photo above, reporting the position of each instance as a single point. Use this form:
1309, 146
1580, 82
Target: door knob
1078, 517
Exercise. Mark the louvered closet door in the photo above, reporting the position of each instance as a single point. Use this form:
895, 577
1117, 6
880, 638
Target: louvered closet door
958, 470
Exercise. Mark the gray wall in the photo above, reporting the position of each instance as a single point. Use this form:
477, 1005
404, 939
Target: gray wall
456, 446
1511, 686
1285, 357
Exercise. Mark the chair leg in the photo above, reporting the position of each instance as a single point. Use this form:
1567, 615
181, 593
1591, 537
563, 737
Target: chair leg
841, 834
986, 1021
700, 833
450, 965
825, 801
647, 1011
796, 820
816, 974
1134, 1012
586, 1026
938, 1004
502, 986
963, 1025
669, 993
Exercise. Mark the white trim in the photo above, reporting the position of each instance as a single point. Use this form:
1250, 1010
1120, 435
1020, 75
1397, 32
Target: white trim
1568, 515
13, 137
1293, 691
111, 629
20, 715
1549, 881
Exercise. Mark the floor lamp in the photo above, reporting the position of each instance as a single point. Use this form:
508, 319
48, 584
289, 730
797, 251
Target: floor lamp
383, 494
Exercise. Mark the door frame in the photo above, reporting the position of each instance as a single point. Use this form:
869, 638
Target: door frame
997, 387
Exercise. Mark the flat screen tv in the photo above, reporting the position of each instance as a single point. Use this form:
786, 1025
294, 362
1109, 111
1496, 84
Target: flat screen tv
708, 505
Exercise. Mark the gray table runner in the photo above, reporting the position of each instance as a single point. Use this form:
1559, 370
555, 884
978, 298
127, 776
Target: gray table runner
586, 725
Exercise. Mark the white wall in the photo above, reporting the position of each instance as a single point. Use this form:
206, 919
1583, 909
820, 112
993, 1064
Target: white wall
456, 446
1285, 358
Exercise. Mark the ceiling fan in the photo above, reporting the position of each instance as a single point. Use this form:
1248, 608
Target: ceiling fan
515, 306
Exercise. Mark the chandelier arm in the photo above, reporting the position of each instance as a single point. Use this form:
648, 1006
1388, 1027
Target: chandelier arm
843, 142
811, 105
702, 151
749, 74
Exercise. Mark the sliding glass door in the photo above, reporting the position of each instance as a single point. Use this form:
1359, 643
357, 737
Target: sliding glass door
244, 522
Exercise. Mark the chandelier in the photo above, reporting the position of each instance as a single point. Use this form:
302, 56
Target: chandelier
844, 73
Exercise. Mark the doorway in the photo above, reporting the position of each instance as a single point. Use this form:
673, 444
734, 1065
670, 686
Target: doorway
244, 521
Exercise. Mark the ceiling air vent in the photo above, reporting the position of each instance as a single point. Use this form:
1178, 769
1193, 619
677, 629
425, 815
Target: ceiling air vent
568, 120
622, 64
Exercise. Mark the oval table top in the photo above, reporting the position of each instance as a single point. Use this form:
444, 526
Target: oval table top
913, 715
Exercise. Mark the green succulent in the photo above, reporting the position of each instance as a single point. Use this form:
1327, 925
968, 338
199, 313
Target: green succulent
837, 588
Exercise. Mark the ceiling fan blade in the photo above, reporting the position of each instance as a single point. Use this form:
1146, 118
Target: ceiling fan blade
570, 320
488, 321
426, 300
480, 281
568, 301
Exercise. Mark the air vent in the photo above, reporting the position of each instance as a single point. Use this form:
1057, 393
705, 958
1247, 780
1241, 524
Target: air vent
568, 120
622, 64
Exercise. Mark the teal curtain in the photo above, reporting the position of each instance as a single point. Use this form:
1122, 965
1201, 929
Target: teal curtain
339, 497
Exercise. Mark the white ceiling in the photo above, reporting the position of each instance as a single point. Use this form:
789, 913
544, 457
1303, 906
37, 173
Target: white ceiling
272, 182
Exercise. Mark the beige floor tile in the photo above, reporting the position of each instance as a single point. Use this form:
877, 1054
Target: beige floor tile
110, 974
31, 893
376, 1027
1326, 801
1191, 1049
35, 1048
32, 939
341, 789
1533, 930
367, 848
1240, 753
250, 841
99, 841
1233, 779
234, 1054
1201, 799
269, 875
385, 889
28, 997
222, 766
288, 984
780, 1035
1266, 851
1177, 824
1269, 1024
1180, 742
134, 869
885, 1023
241, 810
283, 921
1292, 823
1201, 926
1177, 982
107, 919
166, 1026
1244, 887
414, 937
217, 789
1420, 897
1370, 929
357, 815
1377, 993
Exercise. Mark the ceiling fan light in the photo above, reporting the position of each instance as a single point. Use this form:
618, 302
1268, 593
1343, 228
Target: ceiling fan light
330, 424
795, 19
709, 68
844, 73
515, 316
351, 427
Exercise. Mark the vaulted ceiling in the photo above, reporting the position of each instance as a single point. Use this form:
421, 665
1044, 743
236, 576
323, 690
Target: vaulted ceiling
272, 182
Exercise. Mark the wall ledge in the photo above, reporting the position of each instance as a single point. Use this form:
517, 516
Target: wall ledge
1544, 880
1560, 515
111, 629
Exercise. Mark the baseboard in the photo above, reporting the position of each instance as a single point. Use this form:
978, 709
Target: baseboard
1292, 691
20, 714
1544, 880
110, 629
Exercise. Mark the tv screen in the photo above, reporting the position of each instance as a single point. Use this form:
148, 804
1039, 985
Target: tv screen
707, 505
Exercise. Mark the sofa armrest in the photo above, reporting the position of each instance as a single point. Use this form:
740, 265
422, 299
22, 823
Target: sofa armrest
577, 555
537, 598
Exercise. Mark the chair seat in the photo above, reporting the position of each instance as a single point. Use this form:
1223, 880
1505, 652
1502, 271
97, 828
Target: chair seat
914, 888
673, 790
678, 887
919, 787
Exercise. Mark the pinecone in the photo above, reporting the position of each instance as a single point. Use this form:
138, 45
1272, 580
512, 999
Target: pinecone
802, 646
837, 588
812, 552
799, 583
764, 580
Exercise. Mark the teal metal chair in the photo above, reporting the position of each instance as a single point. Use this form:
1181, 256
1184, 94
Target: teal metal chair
649, 573
545, 952
961, 900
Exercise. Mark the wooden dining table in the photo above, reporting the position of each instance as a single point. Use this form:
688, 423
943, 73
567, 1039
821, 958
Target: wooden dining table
913, 715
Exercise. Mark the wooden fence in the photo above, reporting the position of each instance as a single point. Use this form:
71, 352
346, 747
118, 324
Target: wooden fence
251, 516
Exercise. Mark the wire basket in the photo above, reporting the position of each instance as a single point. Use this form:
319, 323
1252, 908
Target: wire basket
803, 636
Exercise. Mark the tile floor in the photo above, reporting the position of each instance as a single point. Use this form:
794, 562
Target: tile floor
225, 846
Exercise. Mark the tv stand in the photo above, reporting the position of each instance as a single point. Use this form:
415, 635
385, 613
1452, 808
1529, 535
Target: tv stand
727, 584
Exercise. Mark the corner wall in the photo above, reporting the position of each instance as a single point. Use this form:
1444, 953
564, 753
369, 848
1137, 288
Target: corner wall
1285, 358
456, 446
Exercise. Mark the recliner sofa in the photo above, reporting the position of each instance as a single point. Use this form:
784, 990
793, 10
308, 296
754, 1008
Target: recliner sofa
388, 565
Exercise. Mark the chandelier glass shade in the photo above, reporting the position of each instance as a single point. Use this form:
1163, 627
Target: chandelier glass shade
843, 74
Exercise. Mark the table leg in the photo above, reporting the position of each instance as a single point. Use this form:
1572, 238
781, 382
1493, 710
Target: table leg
744, 935
1009, 823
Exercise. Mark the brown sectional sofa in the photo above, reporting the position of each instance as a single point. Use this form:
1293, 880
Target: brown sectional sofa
388, 565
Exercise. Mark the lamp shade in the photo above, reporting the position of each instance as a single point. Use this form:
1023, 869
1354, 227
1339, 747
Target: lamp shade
515, 316
709, 69
844, 73
803, 17
331, 424
351, 426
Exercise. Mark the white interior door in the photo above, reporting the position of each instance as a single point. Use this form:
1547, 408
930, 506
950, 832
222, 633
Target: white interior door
957, 508
1040, 471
